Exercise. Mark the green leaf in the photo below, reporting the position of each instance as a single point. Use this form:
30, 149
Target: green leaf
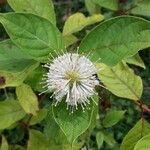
58, 142
27, 99
12, 59
99, 139
39, 117
92, 7
121, 80
35, 35
70, 39
109, 139
37, 141
135, 60
8, 79
4, 145
110, 4
143, 144
35, 78
112, 117
73, 125
135, 134
141, 8
116, 39
10, 112
78, 21
43, 8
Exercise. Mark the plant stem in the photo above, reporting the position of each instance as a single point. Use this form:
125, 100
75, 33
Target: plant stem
143, 106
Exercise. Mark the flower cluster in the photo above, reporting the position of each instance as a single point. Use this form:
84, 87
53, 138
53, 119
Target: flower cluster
72, 77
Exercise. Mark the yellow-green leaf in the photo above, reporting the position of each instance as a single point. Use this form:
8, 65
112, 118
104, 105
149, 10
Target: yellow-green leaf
10, 79
135, 134
27, 99
143, 144
78, 21
121, 81
10, 112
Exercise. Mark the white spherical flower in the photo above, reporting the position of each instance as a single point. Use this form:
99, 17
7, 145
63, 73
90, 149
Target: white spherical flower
72, 77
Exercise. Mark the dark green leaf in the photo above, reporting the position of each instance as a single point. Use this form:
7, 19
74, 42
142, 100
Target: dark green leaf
73, 124
116, 39
12, 58
35, 35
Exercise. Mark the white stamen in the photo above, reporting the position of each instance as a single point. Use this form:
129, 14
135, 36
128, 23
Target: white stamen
72, 77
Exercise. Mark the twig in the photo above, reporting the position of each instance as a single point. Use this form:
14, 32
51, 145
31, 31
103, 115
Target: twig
143, 106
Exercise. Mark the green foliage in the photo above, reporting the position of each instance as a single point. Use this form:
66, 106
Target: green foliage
144, 143
30, 38
120, 80
43, 8
141, 7
10, 79
39, 37
124, 38
110, 4
135, 60
99, 139
112, 117
141, 128
78, 21
37, 141
10, 112
73, 124
12, 59
92, 7
27, 99
109, 139
39, 117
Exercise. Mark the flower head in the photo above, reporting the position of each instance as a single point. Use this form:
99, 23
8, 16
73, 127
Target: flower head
72, 77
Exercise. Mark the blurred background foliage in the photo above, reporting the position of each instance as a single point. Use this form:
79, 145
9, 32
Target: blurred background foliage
114, 133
